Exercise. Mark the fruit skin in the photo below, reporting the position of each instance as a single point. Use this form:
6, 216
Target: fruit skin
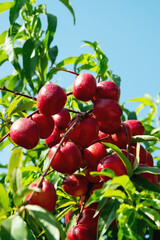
136, 127
67, 159
106, 109
120, 137
62, 118
67, 216
110, 126
94, 153
89, 177
142, 154
51, 99
89, 221
84, 87
46, 198
149, 176
149, 159
114, 163
45, 124
107, 89
79, 232
25, 133
54, 137
85, 132
75, 185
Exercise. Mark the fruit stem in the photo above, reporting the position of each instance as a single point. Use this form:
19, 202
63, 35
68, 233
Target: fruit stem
65, 70
3, 88
99, 78
127, 136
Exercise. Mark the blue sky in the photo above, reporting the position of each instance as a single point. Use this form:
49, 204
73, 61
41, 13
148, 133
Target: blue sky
128, 32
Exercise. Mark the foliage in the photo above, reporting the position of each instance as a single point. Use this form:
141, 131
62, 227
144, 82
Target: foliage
132, 201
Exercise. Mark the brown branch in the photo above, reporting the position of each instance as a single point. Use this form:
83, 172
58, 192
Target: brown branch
81, 209
65, 70
4, 137
74, 111
99, 78
3, 88
45, 173
69, 93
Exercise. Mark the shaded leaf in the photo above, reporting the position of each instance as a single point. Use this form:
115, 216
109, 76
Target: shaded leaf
46, 221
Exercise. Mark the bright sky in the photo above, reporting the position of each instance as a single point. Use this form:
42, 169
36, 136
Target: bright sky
128, 32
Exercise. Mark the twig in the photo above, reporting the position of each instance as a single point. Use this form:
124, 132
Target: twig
45, 173
3, 88
65, 70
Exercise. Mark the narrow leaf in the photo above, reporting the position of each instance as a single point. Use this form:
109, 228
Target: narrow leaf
68, 5
124, 159
47, 222
5, 6
144, 138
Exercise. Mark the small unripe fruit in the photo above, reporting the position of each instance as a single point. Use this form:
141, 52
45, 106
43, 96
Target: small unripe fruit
46, 198
51, 99
84, 87
45, 124
25, 133
75, 185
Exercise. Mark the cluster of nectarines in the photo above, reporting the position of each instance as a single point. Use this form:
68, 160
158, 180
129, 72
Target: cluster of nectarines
81, 150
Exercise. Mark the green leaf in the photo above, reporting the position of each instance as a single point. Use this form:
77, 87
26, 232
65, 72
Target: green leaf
15, 228
153, 170
107, 216
46, 221
152, 214
52, 24
16, 182
3, 57
14, 12
144, 138
14, 103
68, 5
5, 6
124, 159
126, 183
53, 52
29, 60
142, 183
14, 161
3, 35
115, 193
105, 172
4, 199
11, 53
24, 106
